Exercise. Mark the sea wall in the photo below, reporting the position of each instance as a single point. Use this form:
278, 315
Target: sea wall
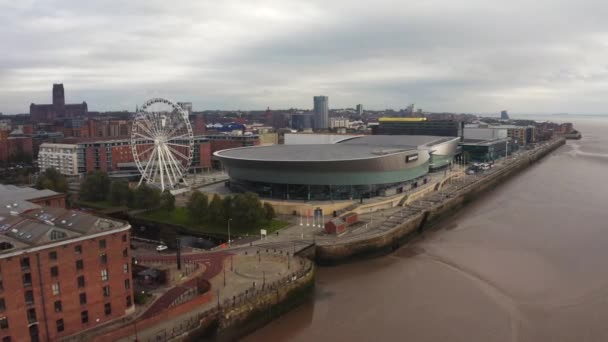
240, 316
387, 241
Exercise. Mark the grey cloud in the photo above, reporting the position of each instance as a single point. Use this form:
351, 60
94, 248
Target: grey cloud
470, 55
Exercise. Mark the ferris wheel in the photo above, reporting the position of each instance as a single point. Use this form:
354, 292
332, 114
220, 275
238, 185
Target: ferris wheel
162, 143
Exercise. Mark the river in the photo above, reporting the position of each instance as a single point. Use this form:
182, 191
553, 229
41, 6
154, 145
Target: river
526, 262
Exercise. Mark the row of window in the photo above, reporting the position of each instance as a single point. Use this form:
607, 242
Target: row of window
25, 262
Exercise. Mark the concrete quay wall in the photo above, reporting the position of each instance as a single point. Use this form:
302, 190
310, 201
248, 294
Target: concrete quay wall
241, 316
384, 242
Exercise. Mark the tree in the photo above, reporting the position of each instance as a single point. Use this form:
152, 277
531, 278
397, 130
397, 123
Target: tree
216, 210
227, 204
247, 211
146, 197
269, 211
167, 201
120, 193
197, 207
95, 187
51, 179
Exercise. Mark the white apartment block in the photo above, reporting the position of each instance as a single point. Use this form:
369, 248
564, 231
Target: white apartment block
61, 157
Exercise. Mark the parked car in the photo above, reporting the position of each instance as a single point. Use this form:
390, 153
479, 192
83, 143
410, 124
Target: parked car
161, 248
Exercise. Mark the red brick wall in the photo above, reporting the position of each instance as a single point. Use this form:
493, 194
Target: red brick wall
121, 154
42, 280
57, 201
205, 154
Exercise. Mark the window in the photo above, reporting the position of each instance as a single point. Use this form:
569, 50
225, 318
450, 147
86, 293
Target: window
125, 253
78, 249
6, 339
1, 285
83, 298
80, 282
54, 271
106, 291
129, 301
125, 268
29, 297
60, 325
55, 288
53, 255
31, 315
103, 258
3, 323
127, 284
124, 237
2, 304
107, 308
25, 263
58, 306
84, 316
104, 275
102, 243
27, 279
79, 264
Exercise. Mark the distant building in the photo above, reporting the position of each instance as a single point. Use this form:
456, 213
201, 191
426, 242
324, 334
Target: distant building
63, 271
302, 121
504, 115
61, 157
359, 109
338, 123
321, 109
418, 126
15, 146
58, 109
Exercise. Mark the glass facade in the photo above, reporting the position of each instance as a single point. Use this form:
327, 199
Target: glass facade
314, 192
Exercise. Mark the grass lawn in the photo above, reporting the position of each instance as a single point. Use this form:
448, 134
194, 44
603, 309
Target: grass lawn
180, 217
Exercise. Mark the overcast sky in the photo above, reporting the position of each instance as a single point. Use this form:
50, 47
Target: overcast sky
480, 56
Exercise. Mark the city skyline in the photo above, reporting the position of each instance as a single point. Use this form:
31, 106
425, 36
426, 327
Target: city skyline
469, 57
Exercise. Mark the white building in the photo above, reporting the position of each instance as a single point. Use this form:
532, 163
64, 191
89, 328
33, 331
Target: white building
61, 157
484, 132
338, 123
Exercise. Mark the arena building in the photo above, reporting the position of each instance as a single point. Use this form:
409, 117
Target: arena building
357, 167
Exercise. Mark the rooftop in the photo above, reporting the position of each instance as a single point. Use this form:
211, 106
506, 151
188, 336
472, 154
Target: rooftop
361, 147
25, 225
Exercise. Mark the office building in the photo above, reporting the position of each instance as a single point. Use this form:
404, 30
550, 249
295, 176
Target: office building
504, 115
321, 112
418, 126
359, 109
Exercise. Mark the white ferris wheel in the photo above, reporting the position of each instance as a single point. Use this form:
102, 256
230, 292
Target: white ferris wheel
162, 143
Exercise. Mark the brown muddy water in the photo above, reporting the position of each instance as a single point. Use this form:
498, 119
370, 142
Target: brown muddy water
526, 262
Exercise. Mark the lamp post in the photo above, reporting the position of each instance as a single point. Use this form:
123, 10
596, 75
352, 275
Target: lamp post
229, 244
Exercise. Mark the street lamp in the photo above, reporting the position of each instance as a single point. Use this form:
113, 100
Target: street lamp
229, 231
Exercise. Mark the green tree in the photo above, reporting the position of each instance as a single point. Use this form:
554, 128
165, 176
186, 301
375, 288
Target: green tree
146, 197
51, 179
120, 193
216, 210
167, 201
269, 211
247, 211
198, 207
95, 187
227, 205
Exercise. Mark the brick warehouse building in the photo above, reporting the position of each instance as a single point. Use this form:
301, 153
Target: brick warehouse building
62, 271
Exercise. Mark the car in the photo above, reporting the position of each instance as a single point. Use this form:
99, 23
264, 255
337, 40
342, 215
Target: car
161, 248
